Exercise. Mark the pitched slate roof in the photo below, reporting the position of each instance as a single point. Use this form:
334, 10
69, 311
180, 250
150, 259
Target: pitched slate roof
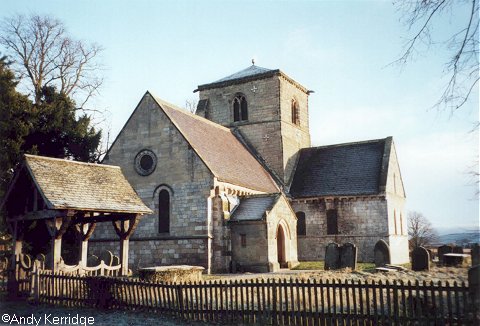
252, 208
248, 74
345, 169
220, 150
68, 184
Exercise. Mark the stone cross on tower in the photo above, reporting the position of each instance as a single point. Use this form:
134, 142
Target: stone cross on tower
254, 88
253, 62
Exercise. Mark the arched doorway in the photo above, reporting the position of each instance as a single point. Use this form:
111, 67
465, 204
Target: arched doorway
281, 247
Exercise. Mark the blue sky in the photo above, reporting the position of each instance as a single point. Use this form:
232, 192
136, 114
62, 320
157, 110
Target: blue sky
339, 49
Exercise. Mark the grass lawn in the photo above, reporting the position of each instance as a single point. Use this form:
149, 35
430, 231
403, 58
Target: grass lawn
319, 265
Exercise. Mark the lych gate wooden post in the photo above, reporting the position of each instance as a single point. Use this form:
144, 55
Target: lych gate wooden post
57, 228
16, 229
86, 231
124, 228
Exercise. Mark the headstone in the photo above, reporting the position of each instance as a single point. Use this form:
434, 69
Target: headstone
475, 253
115, 260
348, 256
381, 253
420, 259
93, 261
474, 287
332, 256
442, 250
458, 250
42, 259
430, 254
106, 256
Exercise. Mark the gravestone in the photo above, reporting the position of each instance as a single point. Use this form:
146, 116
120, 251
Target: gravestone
115, 260
93, 261
420, 259
457, 250
475, 253
442, 250
332, 256
381, 253
348, 256
431, 254
474, 287
106, 256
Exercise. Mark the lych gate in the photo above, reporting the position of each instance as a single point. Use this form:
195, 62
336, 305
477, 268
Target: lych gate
49, 196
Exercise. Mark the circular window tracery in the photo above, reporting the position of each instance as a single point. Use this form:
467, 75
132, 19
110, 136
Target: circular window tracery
145, 162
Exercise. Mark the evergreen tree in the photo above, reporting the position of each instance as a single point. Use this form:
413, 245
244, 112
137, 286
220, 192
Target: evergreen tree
58, 133
15, 124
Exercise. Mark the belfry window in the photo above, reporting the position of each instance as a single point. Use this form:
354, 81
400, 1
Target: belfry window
164, 211
295, 113
332, 221
240, 110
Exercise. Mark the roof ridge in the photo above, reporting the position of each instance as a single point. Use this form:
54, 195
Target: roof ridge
70, 161
273, 194
174, 107
348, 143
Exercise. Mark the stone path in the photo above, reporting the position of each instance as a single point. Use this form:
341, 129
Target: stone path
19, 309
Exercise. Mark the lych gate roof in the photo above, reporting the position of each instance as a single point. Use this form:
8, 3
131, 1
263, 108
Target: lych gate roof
344, 169
220, 150
68, 184
254, 207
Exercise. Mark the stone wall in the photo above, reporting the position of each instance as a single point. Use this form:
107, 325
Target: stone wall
294, 136
253, 257
181, 172
269, 128
260, 251
398, 227
362, 221
282, 215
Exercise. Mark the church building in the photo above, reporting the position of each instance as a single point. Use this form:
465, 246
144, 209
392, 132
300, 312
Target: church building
238, 187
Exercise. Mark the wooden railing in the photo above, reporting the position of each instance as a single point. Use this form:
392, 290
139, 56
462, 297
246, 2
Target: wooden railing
284, 302
100, 270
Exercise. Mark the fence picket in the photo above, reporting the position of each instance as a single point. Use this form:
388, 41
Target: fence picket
271, 301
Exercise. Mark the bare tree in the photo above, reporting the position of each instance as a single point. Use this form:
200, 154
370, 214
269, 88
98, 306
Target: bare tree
463, 44
420, 230
45, 55
191, 105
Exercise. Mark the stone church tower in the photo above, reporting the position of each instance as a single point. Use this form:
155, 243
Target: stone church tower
266, 109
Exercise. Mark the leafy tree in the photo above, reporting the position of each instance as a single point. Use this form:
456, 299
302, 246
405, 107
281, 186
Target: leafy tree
420, 230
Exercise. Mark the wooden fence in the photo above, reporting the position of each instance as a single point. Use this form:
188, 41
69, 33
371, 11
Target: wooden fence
277, 302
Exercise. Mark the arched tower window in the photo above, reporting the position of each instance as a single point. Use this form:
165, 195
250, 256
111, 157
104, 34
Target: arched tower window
295, 113
332, 221
240, 108
301, 223
164, 211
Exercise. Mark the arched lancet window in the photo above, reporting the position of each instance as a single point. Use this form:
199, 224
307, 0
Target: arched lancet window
295, 113
240, 108
301, 223
332, 221
164, 211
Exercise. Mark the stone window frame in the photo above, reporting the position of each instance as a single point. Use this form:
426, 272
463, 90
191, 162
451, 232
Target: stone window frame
301, 223
240, 112
243, 240
332, 222
156, 205
395, 221
295, 112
